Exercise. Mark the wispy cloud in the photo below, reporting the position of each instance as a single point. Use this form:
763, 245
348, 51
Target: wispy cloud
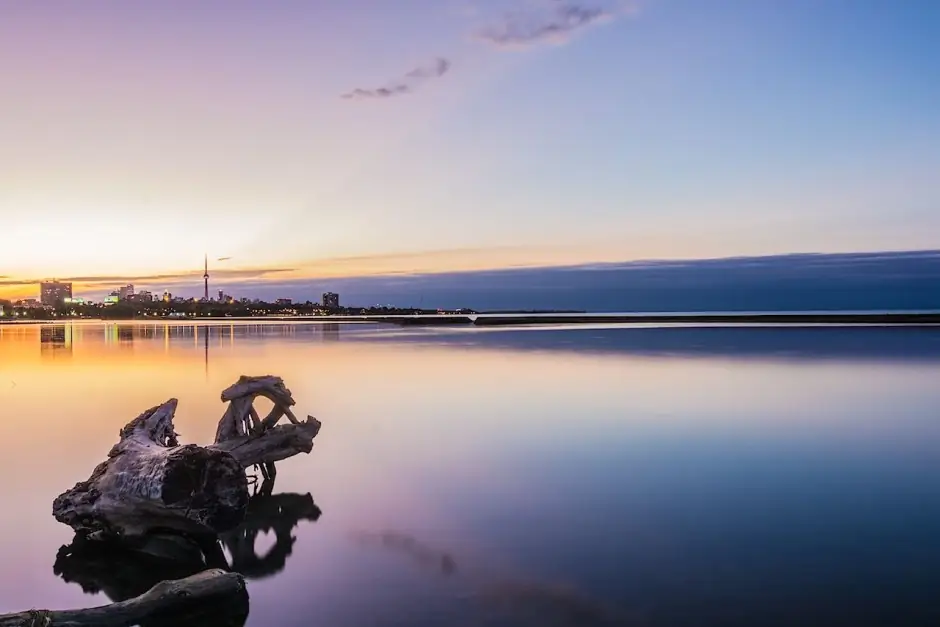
540, 22
438, 69
555, 22
404, 85
150, 279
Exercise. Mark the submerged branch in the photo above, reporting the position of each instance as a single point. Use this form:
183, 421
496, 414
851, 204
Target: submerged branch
167, 601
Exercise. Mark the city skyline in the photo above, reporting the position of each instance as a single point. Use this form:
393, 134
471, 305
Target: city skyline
333, 141
854, 281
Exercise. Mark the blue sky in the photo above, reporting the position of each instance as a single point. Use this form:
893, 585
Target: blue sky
139, 137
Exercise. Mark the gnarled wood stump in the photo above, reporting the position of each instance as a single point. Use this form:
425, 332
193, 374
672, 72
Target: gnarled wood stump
254, 441
150, 483
123, 570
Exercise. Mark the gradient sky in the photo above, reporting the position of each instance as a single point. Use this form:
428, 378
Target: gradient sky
135, 137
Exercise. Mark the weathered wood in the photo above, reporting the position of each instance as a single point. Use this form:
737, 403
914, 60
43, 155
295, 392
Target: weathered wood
273, 444
256, 424
214, 588
255, 441
122, 570
268, 386
149, 482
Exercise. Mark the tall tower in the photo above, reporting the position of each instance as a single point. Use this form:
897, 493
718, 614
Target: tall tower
205, 278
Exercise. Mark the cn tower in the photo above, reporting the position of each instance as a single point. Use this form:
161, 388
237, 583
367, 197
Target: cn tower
205, 278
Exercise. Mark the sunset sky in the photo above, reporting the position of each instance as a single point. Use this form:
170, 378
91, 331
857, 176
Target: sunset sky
364, 137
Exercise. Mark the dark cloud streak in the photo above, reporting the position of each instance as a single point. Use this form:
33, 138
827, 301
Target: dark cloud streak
404, 85
440, 67
523, 30
381, 92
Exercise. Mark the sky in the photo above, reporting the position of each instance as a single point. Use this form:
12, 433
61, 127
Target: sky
293, 141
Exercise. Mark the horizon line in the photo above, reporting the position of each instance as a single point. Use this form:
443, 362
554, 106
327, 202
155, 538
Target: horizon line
267, 274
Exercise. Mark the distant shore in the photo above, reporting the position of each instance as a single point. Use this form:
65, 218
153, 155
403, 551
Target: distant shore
535, 319
776, 318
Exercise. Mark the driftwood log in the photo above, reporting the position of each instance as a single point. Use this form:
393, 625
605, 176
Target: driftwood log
167, 603
256, 441
121, 570
151, 484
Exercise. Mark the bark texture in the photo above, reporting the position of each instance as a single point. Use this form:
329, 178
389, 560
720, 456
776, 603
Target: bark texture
149, 483
256, 441
166, 603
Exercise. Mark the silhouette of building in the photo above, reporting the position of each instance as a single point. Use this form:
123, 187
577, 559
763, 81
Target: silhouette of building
205, 278
283, 301
167, 297
52, 293
330, 300
126, 292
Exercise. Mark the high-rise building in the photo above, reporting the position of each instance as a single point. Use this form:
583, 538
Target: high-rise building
52, 293
167, 297
330, 300
205, 277
126, 292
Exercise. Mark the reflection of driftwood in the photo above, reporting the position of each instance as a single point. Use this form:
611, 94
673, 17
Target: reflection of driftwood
167, 603
150, 483
279, 513
123, 570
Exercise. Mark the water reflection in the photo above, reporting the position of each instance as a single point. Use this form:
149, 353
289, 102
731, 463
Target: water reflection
513, 600
406, 544
810, 342
786, 342
56, 341
277, 513
122, 572
716, 477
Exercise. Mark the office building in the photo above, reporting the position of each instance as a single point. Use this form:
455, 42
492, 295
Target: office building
52, 293
330, 300
126, 292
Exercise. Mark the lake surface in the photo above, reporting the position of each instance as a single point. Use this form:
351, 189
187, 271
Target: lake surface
587, 476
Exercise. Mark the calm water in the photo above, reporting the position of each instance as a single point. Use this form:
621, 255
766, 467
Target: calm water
589, 476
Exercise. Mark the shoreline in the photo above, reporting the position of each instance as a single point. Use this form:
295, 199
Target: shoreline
511, 320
